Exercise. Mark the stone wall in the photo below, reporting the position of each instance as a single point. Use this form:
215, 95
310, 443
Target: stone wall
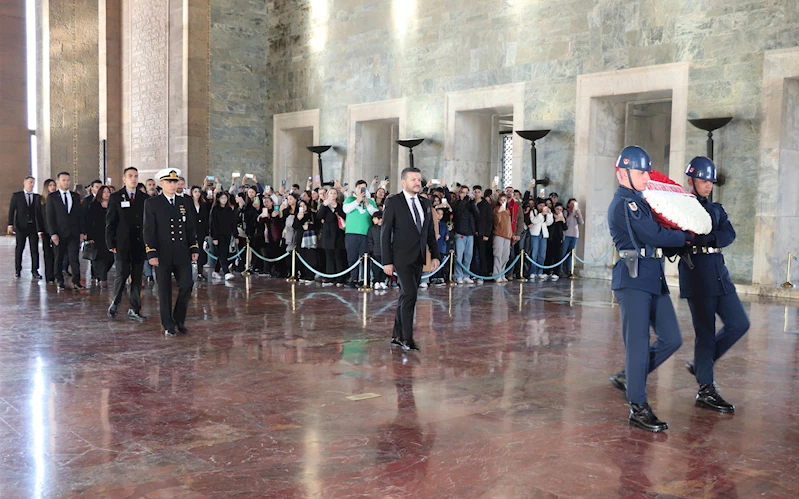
328, 55
238, 88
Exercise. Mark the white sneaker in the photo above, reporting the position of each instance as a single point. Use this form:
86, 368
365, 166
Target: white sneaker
423, 285
229, 276
460, 281
479, 281
468, 280
216, 275
554, 277
544, 277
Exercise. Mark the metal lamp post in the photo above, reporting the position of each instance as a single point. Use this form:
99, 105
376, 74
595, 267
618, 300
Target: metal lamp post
319, 150
710, 125
410, 144
532, 136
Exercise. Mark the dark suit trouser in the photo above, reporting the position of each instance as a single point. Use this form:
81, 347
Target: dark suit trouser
409, 277
32, 239
133, 270
710, 345
68, 247
484, 255
183, 275
49, 251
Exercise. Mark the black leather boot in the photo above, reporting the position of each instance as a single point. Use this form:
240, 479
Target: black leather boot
709, 398
641, 415
619, 380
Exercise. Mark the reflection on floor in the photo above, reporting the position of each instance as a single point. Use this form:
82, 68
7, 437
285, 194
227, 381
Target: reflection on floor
509, 397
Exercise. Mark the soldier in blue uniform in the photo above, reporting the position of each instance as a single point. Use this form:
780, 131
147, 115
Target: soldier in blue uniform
640, 284
706, 283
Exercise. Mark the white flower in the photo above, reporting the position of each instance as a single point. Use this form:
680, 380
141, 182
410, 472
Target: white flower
681, 208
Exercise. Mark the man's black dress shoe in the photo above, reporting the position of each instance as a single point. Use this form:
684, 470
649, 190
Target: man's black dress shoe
410, 346
182, 329
78, 287
136, 316
170, 333
619, 380
709, 398
112, 311
17, 275
62, 285
641, 415
396, 341
690, 367
36, 276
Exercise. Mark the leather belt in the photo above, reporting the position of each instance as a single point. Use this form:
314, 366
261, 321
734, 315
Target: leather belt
696, 250
658, 253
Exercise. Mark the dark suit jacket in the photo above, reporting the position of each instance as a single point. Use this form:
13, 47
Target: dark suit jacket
24, 217
169, 232
401, 243
123, 226
59, 222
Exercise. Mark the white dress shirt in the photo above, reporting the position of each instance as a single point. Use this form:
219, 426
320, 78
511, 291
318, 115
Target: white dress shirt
411, 200
68, 198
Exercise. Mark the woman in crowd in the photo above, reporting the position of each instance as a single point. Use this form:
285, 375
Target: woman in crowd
541, 218
503, 235
331, 216
288, 212
95, 233
202, 211
380, 197
574, 219
271, 226
48, 248
222, 229
555, 242
305, 232
246, 217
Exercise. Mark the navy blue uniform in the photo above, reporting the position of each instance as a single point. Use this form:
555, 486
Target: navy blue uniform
644, 300
710, 291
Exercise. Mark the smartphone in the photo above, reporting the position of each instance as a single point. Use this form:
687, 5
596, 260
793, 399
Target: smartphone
249, 175
209, 177
436, 181
376, 177
363, 190
386, 179
108, 181
496, 180
210, 193
317, 178
576, 205
346, 184
309, 179
236, 174
542, 192
283, 183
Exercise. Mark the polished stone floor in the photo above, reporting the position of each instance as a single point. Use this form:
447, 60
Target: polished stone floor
509, 397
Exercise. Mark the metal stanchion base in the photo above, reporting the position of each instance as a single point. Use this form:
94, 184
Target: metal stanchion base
365, 289
291, 279
573, 276
521, 279
452, 284
246, 273
788, 285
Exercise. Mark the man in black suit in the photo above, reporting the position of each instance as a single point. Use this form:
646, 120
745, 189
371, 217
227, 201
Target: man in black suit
407, 230
170, 240
123, 235
25, 220
66, 226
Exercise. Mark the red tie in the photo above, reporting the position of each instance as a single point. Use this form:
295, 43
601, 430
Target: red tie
132, 195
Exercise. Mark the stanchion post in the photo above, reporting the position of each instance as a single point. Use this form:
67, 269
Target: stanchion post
365, 285
452, 282
571, 267
788, 284
247, 262
293, 277
521, 269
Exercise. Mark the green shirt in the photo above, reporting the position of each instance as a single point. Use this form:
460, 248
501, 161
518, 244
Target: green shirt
359, 218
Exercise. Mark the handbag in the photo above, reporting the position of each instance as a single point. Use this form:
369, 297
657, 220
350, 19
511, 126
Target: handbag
233, 245
89, 251
342, 224
308, 240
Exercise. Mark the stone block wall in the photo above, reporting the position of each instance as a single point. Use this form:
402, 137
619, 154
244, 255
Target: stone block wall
329, 54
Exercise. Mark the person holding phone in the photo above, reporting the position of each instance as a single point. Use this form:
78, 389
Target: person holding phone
359, 210
574, 219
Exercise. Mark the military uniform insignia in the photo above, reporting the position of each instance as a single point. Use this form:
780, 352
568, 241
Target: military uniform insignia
633, 206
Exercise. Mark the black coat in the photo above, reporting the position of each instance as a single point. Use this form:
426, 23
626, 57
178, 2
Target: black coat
59, 222
485, 220
23, 217
332, 236
95, 227
123, 226
223, 222
169, 232
402, 244
202, 220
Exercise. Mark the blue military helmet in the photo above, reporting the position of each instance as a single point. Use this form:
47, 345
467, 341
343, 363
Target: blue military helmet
703, 168
634, 158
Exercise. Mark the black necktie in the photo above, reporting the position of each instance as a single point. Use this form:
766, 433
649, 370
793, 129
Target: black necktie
29, 198
172, 201
416, 215
66, 203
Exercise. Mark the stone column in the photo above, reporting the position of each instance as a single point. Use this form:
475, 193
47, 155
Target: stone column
165, 86
110, 85
14, 135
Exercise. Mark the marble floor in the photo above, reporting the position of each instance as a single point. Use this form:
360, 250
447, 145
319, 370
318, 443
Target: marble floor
509, 397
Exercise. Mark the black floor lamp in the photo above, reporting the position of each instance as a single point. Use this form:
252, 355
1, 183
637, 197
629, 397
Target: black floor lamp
410, 144
710, 125
532, 136
319, 150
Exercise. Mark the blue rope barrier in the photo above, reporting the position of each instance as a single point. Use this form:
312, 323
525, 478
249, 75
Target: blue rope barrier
213, 257
329, 276
510, 267
545, 267
424, 276
596, 262
270, 260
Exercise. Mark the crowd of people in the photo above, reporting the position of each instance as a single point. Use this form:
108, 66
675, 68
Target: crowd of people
331, 227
